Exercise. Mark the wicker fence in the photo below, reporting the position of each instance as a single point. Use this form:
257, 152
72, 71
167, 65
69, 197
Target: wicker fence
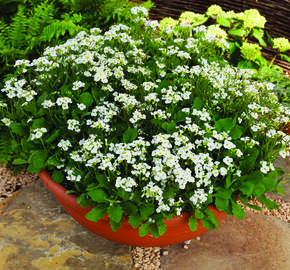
277, 13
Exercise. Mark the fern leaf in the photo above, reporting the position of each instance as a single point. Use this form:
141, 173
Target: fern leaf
17, 33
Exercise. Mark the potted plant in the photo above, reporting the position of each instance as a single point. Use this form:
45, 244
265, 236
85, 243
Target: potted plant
143, 125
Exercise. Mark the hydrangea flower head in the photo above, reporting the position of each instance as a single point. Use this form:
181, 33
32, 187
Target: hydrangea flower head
168, 22
214, 10
253, 19
251, 51
282, 44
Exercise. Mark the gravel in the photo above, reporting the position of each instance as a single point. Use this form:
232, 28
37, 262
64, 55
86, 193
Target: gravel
10, 183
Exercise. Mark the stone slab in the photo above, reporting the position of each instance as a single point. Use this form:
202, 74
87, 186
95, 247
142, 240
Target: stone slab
257, 242
37, 233
285, 165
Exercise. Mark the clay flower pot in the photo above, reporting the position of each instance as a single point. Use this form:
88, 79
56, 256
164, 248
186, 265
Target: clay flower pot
178, 230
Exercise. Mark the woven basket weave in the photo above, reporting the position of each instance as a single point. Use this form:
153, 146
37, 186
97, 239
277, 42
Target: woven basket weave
276, 12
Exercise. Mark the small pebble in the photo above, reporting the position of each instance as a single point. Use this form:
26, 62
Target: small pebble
197, 238
185, 246
165, 253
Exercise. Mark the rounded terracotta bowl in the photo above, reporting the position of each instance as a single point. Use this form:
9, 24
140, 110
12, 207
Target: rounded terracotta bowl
178, 230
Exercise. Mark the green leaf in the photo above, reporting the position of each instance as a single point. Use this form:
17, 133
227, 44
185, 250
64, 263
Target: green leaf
38, 159
270, 40
96, 213
135, 220
32, 169
269, 181
169, 127
221, 204
245, 64
228, 181
198, 214
15, 146
224, 193
57, 176
259, 189
129, 208
207, 224
98, 195
19, 129
53, 161
27, 146
237, 132
146, 210
247, 188
281, 190
39, 123
192, 223
258, 33
180, 116
212, 218
286, 57
225, 124
86, 99
115, 225
103, 181
223, 20
53, 136
197, 104
268, 203
83, 201
162, 229
123, 194
154, 230
237, 32
19, 161
130, 135
115, 212
144, 229
238, 211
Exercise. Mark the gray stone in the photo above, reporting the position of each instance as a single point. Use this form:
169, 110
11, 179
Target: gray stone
36, 233
257, 242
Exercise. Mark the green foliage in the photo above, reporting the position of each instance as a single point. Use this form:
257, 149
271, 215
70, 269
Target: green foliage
28, 26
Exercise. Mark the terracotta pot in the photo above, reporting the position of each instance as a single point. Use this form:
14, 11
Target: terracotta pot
178, 230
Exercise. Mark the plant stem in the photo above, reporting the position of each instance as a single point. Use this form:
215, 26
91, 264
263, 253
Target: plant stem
274, 58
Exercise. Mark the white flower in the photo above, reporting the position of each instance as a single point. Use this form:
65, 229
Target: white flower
38, 132
64, 144
6, 121
47, 104
77, 85
223, 171
81, 106
228, 161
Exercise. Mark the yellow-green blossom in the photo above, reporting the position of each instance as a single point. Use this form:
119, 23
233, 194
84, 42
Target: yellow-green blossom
219, 33
250, 51
282, 44
231, 14
254, 19
167, 22
214, 10
192, 18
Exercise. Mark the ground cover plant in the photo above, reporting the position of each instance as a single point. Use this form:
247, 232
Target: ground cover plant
147, 123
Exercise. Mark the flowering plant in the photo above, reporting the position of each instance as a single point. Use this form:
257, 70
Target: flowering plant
144, 123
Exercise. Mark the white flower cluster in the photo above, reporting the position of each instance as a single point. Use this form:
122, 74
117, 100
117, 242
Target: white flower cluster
172, 111
37, 133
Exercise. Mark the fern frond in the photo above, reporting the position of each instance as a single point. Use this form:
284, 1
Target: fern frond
60, 27
42, 15
17, 33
